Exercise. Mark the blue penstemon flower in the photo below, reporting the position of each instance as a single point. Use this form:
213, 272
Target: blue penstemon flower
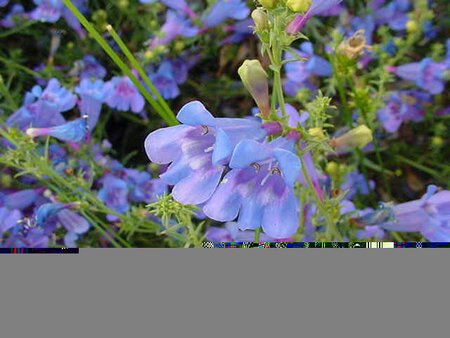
114, 193
403, 106
317, 7
92, 94
43, 107
259, 189
298, 73
170, 74
175, 25
427, 74
429, 215
198, 150
123, 95
73, 131
225, 9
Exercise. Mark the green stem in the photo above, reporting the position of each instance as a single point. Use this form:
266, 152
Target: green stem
27, 70
340, 85
331, 231
419, 166
257, 235
17, 29
6, 94
380, 161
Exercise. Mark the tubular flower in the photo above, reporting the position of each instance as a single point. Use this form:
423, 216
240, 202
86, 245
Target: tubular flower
317, 7
43, 108
170, 74
179, 5
297, 73
114, 193
174, 26
70, 220
73, 131
123, 95
198, 150
8, 219
427, 74
258, 190
226, 9
403, 106
429, 215
92, 94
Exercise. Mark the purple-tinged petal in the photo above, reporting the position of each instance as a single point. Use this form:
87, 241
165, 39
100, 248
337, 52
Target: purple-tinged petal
70, 240
441, 202
21, 199
241, 129
437, 234
8, 219
137, 103
198, 187
222, 148
177, 171
280, 219
248, 152
224, 204
251, 214
163, 145
215, 234
73, 222
290, 165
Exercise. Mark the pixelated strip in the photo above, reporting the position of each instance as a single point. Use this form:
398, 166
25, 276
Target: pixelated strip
326, 245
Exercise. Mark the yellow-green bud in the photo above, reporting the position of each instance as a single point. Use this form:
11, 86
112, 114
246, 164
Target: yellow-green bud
358, 137
254, 78
179, 45
260, 19
317, 133
269, 4
122, 4
303, 94
437, 142
299, 6
412, 26
332, 169
6, 180
148, 55
99, 16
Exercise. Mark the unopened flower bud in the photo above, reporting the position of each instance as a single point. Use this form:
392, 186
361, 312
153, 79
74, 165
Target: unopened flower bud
317, 133
332, 169
254, 78
293, 135
272, 128
354, 46
260, 19
299, 6
437, 142
412, 26
269, 4
123, 4
6, 180
358, 137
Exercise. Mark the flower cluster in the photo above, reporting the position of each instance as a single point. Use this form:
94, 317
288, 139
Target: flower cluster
348, 103
261, 175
